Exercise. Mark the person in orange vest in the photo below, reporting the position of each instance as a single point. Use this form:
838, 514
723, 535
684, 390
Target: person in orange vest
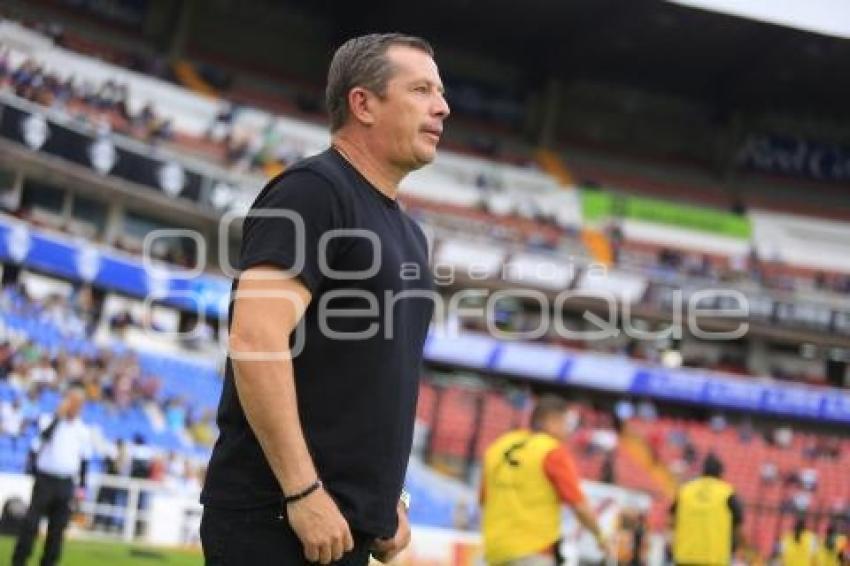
707, 518
527, 475
800, 547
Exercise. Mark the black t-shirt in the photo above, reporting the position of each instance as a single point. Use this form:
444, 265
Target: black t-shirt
356, 397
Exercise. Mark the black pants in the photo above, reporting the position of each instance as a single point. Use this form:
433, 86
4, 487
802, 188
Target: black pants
51, 496
259, 537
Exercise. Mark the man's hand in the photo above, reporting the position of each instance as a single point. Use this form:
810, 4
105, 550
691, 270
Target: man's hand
320, 526
385, 549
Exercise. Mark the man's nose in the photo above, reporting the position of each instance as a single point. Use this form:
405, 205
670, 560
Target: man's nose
442, 109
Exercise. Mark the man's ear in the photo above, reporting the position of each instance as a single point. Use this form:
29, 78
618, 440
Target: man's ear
361, 105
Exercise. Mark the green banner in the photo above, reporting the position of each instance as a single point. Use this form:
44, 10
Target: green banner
598, 205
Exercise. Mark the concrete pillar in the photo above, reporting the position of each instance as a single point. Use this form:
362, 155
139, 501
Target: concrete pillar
114, 223
551, 104
182, 27
758, 359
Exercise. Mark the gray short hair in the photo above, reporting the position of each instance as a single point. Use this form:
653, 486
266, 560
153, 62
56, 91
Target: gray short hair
362, 61
545, 406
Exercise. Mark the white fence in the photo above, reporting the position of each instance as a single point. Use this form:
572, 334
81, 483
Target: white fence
127, 509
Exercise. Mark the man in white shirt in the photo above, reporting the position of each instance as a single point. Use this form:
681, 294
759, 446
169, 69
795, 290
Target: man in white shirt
63, 450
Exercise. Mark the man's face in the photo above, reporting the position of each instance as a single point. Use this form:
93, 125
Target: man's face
561, 425
409, 118
74, 402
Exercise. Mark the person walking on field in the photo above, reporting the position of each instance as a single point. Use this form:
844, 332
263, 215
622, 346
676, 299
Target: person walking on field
528, 475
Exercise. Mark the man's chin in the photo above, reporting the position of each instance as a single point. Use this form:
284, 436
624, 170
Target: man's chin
426, 156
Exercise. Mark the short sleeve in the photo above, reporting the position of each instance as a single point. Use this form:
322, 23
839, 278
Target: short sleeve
286, 224
561, 471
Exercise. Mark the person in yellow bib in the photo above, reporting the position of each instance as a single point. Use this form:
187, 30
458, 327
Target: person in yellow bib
833, 551
800, 547
527, 476
707, 519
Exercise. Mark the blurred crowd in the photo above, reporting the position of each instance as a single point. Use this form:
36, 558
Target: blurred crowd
106, 107
113, 380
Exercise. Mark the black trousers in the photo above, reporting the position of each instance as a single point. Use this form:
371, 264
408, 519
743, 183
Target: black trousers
51, 497
260, 537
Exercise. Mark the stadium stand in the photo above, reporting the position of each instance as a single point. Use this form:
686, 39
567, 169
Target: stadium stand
655, 226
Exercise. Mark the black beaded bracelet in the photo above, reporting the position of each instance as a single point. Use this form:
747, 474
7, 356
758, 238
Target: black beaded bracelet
301, 495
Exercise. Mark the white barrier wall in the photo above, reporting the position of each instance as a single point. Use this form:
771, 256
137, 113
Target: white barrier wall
682, 238
797, 240
15, 485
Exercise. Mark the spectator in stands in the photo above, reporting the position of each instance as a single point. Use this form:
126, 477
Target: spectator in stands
745, 431
42, 373
677, 437
222, 123
4, 65
604, 440
783, 436
799, 547
717, 422
809, 479
707, 518
237, 152
161, 130
528, 474
147, 388
689, 452
18, 376
158, 469
175, 414
23, 77
769, 473
65, 447
145, 120
71, 368
202, 430
6, 356
104, 99
801, 501
30, 408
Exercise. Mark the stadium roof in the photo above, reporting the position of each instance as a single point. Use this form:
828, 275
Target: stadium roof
727, 61
829, 17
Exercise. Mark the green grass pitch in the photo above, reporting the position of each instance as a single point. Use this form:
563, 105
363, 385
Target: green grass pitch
91, 553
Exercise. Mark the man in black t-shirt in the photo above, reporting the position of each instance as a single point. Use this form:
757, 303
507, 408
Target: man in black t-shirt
329, 318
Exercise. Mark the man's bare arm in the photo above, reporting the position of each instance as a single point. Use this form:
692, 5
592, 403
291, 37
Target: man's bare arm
267, 306
588, 520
